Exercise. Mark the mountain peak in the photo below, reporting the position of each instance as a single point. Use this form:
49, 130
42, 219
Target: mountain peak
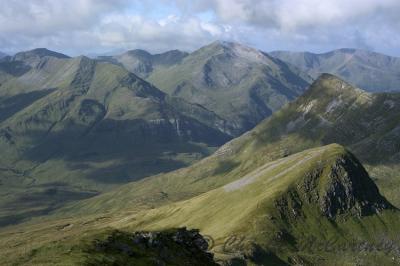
138, 52
347, 50
225, 45
328, 76
229, 45
38, 52
369, 70
345, 186
2, 54
218, 43
331, 84
238, 50
172, 52
329, 179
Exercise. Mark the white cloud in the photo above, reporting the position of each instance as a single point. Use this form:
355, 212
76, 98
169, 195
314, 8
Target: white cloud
77, 26
294, 14
170, 32
41, 17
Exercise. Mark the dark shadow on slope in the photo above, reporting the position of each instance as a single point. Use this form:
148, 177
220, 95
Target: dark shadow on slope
138, 148
11, 105
14, 68
111, 153
133, 170
261, 256
37, 201
225, 167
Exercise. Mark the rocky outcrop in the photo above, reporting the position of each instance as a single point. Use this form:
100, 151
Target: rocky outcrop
350, 189
172, 247
341, 188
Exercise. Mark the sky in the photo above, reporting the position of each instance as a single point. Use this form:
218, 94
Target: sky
78, 27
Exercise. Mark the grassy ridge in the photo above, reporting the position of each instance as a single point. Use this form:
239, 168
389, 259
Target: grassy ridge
330, 111
283, 211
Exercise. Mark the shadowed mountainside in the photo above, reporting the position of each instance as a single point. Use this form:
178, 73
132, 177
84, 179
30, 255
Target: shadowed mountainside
87, 126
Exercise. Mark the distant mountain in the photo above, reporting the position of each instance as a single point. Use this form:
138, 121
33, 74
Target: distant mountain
37, 53
238, 83
142, 63
23, 61
2, 55
71, 127
371, 71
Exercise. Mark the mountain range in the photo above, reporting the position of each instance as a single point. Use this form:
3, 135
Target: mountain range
278, 195
71, 127
256, 83
371, 71
320, 117
74, 127
222, 156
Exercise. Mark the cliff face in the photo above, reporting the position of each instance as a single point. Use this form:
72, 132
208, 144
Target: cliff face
350, 189
341, 188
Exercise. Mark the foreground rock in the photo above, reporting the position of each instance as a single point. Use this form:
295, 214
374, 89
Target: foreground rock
173, 247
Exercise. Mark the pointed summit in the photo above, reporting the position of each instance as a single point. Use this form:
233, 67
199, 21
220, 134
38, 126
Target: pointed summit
241, 84
345, 186
329, 85
237, 50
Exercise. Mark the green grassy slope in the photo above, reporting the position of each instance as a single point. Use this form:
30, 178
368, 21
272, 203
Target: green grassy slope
334, 111
72, 127
314, 207
255, 83
262, 197
369, 70
331, 111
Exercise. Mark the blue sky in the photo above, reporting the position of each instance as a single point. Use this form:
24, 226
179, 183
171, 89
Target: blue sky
97, 26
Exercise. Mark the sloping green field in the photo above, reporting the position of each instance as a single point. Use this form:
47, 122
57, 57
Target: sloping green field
318, 206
